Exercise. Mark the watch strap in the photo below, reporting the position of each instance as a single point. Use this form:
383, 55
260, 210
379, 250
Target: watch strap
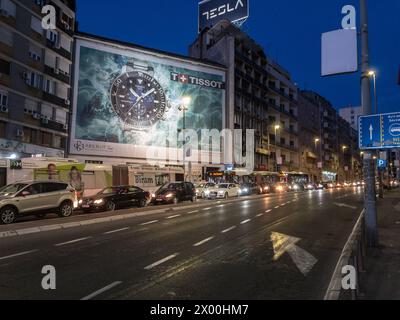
139, 66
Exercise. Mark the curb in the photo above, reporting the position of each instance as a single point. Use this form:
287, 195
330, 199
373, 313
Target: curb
69, 225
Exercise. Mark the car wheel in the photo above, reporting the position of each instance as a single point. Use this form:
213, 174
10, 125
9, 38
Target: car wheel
8, 215
175, 201
110, 206
142, 203
65, 210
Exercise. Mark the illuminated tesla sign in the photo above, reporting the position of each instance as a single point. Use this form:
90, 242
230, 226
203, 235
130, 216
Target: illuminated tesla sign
213, 11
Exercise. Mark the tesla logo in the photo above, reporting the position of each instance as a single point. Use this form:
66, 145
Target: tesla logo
79, 146
222, 10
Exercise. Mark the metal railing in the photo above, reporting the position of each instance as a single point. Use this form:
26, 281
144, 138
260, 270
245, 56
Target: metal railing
353, 254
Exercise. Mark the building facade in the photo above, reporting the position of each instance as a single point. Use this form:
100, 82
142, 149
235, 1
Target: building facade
351, 115
261, 95
35, 78
310, 138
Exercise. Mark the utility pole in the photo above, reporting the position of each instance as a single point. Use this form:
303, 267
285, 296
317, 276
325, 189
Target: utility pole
369, 170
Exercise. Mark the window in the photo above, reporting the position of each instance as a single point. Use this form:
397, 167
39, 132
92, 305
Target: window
47, 111
6, 37
65, 43
36, 25
5, 67
3, 98
29, 135
61, 116
35, 52
59, 142
52, 36
8, 7
54, 187
46, 139
35, 80
35, 189
49, 86
30, 106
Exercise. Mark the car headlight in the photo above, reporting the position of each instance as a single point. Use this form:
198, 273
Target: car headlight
169, 195
80, 202
207, 192
100, 201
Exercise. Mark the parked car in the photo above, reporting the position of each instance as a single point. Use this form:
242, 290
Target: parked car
320, 186
202, 190
296, 187
175, 192
109, 199
280, 187
224, 191
36, 198
247, 189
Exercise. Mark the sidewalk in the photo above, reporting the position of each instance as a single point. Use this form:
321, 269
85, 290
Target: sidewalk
382, 279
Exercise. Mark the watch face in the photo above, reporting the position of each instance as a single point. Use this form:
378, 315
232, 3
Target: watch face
138, 100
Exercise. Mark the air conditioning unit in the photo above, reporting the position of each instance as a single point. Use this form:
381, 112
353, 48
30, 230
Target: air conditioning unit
28, 111
4, 109
20, 133
45, 121
67, 102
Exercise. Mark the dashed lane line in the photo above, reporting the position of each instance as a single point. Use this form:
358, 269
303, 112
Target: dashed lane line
159, 262
198, 244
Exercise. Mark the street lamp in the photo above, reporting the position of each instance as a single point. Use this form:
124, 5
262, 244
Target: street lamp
372, 74
185, 103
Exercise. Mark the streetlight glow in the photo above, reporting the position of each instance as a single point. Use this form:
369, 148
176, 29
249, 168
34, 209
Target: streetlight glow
186, 101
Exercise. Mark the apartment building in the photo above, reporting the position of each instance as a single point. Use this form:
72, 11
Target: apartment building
35, 78
310, 137
261, 95
351, 115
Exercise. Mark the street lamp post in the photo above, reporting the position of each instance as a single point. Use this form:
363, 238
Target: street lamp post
184, 107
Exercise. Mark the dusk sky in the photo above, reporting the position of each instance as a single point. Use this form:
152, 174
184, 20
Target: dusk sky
290, 32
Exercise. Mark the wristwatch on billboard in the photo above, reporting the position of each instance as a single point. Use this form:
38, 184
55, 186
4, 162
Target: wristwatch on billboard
137, 98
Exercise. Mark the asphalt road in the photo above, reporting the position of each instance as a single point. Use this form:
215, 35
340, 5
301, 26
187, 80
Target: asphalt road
233, 251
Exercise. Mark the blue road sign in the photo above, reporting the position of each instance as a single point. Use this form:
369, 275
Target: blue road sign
381, 131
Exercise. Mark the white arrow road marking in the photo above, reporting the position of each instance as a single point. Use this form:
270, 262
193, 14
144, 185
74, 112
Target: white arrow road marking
343, 205
283, 243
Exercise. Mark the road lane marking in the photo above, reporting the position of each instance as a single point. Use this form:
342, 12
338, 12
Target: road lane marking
206, 209
282, 205
221, 206
150, 222
268, 211
99, 292
173, 217
193, 211
18, 254
198, 244
277, 207
159, 262
229, 229
259, 215
72, 241
245, 221
115, 231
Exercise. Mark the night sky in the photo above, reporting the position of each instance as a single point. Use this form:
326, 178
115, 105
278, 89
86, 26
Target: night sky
290, 32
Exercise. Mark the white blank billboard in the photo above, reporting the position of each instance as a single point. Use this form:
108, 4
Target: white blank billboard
339, 52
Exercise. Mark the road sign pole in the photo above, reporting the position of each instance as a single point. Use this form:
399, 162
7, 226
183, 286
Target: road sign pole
369, 170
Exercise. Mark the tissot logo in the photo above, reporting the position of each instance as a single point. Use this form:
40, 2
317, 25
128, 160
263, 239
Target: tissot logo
188, 79
223, 9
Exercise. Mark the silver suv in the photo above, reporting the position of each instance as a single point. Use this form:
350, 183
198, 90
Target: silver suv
36, 198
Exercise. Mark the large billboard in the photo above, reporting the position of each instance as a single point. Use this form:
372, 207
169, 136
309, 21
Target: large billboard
213, 11
127, 100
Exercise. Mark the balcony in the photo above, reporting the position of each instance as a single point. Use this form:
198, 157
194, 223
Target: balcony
58, 75
7, 18
5, 79
53, 125
58, 49
55, 100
